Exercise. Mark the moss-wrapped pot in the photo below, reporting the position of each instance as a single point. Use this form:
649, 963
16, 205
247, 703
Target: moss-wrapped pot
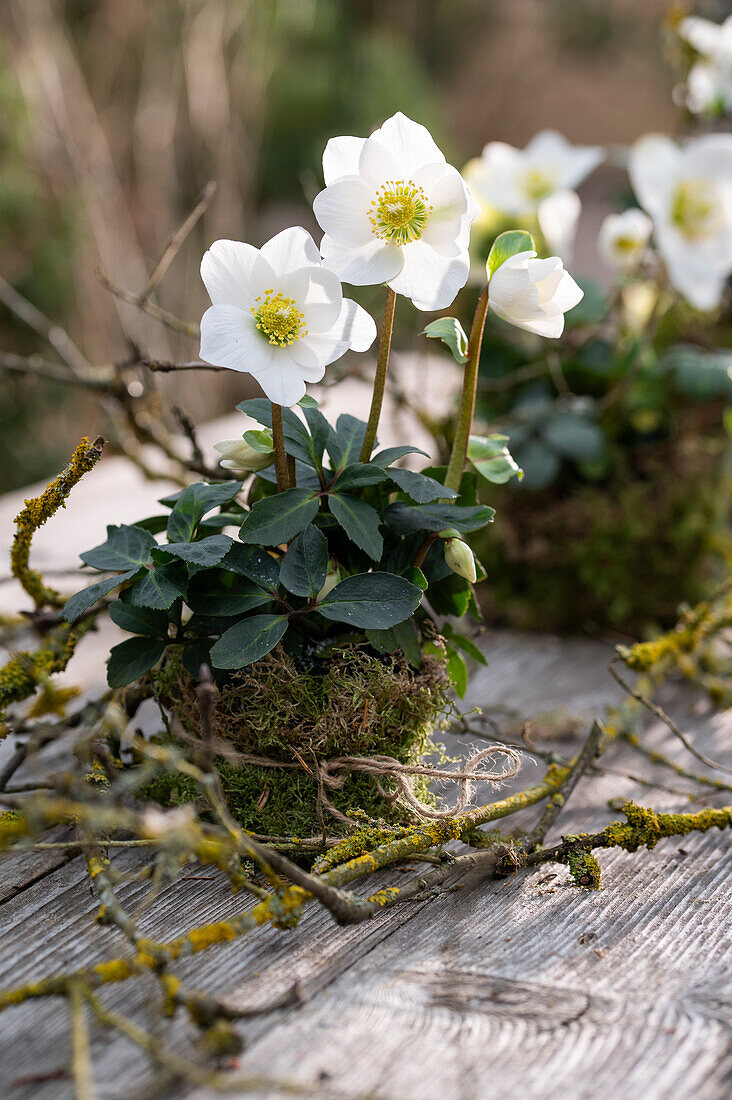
353, 704
618, 555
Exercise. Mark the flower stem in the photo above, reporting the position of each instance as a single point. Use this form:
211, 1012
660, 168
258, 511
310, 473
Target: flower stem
377, 398
280, 458
467, 401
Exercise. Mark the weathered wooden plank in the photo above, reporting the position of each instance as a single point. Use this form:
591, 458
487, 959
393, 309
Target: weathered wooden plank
498, 988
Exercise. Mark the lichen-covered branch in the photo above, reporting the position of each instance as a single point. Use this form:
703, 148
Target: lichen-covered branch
38, 510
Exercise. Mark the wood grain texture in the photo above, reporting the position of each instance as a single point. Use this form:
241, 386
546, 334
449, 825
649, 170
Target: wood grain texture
521, 987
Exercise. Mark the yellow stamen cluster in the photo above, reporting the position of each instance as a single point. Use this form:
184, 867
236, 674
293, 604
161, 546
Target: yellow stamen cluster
278, 318
538, 184
696, 208
399, 212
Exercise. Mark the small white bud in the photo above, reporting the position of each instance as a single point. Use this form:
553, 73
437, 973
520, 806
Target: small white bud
623, 238
459, 557
241, 458
533, 294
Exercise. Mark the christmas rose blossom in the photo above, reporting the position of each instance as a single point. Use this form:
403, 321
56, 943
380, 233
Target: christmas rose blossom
688, 193
277, 314
393, 211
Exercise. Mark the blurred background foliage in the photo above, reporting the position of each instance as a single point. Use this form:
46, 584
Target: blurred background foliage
113, 115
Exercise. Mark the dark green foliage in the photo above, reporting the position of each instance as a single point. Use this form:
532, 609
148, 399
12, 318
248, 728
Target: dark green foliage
349, 567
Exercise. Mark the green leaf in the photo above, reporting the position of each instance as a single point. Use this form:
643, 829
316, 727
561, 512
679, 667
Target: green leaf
421, 488
248, 641
574, 436
160, 587
219, 592
305, 564
126, 547
308, 402
259, 441
408, 518
357, 475
450, 596
279, 518
319, 431
450, 331
207, 551
402, 636
457, 670
139, 620
256, 564
132, 659
391, 454
492, 458
507, 245
459, 641
360, 522
82, 601
193, 504
222, 519
372, 601
344, 444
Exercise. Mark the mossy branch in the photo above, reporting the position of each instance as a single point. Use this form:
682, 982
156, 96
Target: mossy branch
642, 829
38, 510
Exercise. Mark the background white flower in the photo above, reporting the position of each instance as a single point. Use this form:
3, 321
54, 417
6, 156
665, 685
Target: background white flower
537, 181
688, 194
393, 211
623, 238
533, 294
709, 84
278, 314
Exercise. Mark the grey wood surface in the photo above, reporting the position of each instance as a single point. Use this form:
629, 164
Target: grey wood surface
513, 988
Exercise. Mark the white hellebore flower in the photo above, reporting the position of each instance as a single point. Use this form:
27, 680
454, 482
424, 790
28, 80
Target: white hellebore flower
241, 458
537, 181
688, 194
393, 211
623, 238
277, 314
709, 84
533, 294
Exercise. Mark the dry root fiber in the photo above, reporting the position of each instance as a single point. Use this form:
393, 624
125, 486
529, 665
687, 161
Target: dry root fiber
356, 704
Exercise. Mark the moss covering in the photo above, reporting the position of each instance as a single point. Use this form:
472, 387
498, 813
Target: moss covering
621, 555
355, 704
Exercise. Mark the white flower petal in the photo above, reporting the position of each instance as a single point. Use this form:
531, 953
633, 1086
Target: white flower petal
234, 273
558, 216
377, 164
453, 209
355, 325
283, 382
230, 339
653, 167
702, 34
567, 294
710, 156
290, 249
377, 262
342, 210
431, 281
341, 158
571, 163
317, 294
411, 144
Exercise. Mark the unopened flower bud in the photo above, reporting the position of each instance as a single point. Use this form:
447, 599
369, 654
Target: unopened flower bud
459, 557
241, 458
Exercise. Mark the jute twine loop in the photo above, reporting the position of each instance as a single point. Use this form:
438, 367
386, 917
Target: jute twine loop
332, 774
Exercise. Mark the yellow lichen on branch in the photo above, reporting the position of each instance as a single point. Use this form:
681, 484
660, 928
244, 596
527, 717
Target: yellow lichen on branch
38, 510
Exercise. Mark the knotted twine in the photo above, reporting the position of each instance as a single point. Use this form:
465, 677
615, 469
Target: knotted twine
332, 774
